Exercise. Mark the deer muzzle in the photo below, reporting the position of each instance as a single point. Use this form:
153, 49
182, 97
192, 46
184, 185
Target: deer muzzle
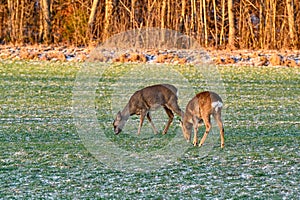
117, 131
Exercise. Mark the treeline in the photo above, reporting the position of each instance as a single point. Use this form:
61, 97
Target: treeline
251, 24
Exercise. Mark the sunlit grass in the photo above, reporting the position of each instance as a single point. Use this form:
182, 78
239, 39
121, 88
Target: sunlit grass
42, 156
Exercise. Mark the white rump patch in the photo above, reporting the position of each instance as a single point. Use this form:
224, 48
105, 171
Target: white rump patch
216, 105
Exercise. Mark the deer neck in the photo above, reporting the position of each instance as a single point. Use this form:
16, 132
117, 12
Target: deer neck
187, 118
125, 112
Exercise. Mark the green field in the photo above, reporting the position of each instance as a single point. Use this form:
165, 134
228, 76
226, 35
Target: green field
42, 155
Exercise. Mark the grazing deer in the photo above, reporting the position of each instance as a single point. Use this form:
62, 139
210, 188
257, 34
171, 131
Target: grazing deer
147, 99
199, 110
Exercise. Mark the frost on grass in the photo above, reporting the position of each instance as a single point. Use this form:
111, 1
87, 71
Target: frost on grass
45, 159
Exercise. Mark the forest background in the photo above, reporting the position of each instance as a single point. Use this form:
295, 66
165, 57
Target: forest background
234, 24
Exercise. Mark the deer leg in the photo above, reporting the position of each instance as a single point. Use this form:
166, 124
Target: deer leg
195, 125
142, 117
171, 117
150, 120
207, 123
220, 124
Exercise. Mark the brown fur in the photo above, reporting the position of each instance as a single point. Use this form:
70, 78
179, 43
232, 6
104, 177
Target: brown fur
147, 99
198, 110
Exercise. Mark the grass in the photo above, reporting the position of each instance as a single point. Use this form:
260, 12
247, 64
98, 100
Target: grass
42, 156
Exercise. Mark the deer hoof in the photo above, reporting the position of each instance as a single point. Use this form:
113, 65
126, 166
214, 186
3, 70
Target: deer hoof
200, 145
222, 146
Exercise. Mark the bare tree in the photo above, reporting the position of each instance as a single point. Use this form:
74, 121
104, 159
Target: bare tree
11, 26
132, 13
163, 13
262, 24
231, 34
291, 20
215, 20
205, 24
222, 22
107, 20
92, 16
46, 21
182, 17
163, 19
193, 14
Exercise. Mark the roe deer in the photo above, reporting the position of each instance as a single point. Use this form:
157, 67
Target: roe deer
199, 110
147, 99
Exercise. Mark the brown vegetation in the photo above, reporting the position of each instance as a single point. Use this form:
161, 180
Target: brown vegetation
242, 24
289, 58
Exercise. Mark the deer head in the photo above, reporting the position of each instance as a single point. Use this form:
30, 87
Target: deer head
186, 130
118, 123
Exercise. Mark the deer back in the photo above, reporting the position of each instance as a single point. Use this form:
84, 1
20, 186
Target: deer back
152, 97
209, 102
204, 102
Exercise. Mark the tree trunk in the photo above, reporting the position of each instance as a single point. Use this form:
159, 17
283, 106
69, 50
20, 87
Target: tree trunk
107, 19
205, 24
291, 20
231, 34
182, 18
216, 24
193, 14
261, 27
169, 15
46, 21
274, 8
163, 19
163, 14
132, 13
11, 28
92, 17
223, 22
